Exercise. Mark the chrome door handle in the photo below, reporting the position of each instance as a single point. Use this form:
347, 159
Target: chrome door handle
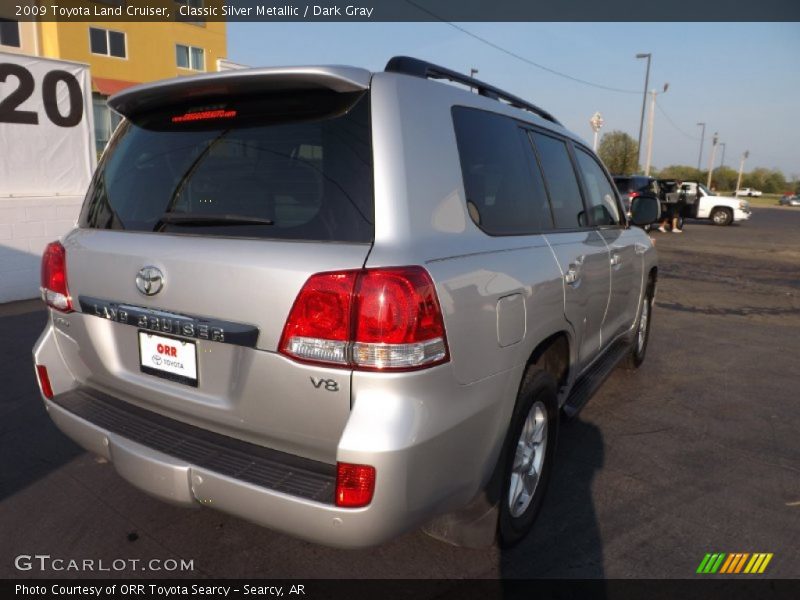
573, 274
616, 260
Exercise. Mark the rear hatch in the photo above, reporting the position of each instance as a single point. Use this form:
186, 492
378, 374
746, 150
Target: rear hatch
214, 203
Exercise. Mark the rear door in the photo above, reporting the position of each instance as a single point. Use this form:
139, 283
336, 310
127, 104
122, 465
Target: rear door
202, 224
580, 250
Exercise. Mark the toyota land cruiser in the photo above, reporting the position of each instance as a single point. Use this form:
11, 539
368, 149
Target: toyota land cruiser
341, 304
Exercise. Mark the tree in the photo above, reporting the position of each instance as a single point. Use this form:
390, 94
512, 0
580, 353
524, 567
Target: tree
618, 151
682, 173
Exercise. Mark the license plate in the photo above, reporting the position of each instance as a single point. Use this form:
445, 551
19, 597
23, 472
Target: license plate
167, 357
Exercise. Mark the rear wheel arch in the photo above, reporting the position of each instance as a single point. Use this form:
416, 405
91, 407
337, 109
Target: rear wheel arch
553, 355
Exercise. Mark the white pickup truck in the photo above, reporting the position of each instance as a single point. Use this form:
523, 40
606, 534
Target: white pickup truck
748, 192
722, 210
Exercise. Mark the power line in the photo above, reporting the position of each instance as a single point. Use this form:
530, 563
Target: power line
671, 122
519, 56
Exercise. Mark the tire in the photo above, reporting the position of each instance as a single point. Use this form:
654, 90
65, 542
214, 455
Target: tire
636, 356
680, 222
535, 418
721, 216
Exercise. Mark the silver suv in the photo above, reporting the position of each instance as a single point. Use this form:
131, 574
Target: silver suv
341, 304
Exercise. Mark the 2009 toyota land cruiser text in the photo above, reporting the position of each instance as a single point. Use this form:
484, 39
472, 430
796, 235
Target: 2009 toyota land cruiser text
341, 304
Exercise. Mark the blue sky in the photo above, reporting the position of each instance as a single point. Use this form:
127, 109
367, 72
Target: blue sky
742, 79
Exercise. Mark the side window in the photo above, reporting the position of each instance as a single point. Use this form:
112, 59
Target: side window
505, 196
565, 195
600, 196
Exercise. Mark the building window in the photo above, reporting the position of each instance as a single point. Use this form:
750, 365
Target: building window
9, 33
189, 57
105, 121
107, 42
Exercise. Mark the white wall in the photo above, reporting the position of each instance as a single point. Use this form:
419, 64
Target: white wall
27, 225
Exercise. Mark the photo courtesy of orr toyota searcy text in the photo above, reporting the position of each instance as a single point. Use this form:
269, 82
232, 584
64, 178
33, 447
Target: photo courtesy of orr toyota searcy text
158, 590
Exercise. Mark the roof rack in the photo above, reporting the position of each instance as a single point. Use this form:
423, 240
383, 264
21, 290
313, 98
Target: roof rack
420, 68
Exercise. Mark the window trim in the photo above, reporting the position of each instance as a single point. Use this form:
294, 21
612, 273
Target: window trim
108, 42
190, 68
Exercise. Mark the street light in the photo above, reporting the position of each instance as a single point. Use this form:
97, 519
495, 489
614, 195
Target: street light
714, 141
741, 170
472, 73
651, 123
702, 139
648, 56
596, 122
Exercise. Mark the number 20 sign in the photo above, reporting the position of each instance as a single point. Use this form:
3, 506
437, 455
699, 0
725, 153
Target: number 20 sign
10, 111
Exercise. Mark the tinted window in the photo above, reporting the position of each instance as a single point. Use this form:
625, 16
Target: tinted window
116, 42
98, 41
600, 197
182, 56
623, 184
9, 33
289, 166
565, 195
505, 196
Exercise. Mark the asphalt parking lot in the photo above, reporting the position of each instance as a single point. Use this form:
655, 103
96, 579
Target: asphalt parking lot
698, 451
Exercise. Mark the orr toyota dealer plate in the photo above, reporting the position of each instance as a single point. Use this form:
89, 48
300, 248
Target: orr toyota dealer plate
167, 357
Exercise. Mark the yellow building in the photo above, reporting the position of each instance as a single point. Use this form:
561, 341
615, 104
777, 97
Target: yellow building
122, 54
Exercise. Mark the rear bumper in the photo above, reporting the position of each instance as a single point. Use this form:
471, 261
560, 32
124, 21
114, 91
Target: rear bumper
432, 442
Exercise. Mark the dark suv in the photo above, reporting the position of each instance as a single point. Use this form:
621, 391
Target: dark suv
630, 186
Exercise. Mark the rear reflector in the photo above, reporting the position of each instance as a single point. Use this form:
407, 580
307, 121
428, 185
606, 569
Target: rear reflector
44, 381
54, 278
355, 485
372, 319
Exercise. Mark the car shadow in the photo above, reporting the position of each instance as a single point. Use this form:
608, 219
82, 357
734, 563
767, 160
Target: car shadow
565, 542
32, 446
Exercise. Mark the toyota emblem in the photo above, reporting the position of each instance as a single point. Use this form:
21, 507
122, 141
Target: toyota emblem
149, 280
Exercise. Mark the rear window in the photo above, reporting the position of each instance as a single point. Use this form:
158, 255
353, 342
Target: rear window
294, 166
623, 184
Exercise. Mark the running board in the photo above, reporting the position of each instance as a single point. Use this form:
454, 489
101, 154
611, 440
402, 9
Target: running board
591, 380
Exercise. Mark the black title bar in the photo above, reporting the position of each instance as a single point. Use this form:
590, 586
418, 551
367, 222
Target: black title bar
401, 10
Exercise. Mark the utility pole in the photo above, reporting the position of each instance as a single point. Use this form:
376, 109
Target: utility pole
648, 56
702, 139
722, 162
714, 141
651, 122
741, 170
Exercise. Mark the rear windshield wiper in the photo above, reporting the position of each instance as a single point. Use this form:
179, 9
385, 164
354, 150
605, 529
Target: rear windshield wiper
202, 220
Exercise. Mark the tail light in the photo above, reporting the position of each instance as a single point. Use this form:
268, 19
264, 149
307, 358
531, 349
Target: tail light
44, 381
355, 485
54, 278
371, 319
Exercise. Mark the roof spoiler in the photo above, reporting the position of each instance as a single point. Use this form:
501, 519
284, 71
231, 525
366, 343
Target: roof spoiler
149, 96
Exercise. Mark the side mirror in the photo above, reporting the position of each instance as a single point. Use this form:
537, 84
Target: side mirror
645, 210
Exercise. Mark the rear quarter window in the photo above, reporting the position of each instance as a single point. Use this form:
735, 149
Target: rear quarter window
504, 192
293, 166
